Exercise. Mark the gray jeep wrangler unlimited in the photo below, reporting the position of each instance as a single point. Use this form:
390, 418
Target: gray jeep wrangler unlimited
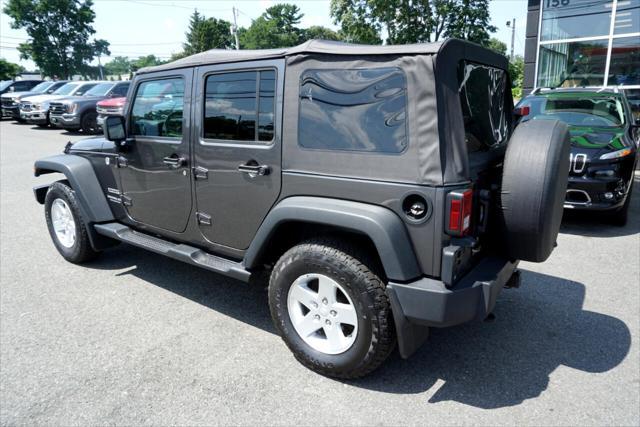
383, 188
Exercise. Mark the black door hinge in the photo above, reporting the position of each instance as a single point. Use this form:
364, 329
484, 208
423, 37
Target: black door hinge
200, 173
126, 200
203, 218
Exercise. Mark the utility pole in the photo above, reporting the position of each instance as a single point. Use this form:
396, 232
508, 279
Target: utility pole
512, 24
234, 29
100, 68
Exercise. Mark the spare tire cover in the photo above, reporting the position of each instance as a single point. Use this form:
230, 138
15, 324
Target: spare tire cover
534, 184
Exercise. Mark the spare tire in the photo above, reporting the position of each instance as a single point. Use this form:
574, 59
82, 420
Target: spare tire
534, 184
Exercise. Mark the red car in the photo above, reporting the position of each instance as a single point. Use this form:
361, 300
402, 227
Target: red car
110, 107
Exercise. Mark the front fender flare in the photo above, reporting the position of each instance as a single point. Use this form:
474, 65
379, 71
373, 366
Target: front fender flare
380, 224
80, 174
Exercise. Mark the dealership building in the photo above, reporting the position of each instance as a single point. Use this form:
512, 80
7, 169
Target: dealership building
591, 43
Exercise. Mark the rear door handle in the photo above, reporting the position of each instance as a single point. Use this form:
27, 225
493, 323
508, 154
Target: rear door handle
174, 161
254, 169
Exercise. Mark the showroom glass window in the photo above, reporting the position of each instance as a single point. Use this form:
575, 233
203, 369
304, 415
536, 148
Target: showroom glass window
589, 43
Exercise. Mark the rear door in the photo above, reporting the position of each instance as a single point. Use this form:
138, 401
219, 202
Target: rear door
237, 148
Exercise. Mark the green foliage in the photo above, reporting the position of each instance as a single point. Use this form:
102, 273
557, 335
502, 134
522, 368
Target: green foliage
497, 45
412, 21
9, 70
207, 33
516, 72
276, 27
117, 66
319, 32
59, 32
145, 61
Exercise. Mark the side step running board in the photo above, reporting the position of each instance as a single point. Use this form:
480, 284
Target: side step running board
181, 252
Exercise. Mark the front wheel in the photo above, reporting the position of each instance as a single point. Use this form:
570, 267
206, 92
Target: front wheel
331, 308
89, 123
66, 225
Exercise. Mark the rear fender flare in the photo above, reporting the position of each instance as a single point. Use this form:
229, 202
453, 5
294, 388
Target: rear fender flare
385, 229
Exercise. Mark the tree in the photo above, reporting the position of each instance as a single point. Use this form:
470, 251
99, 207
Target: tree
319, 32
9, 70
207, 33
412, 21
117, 66
516, 72
470, 21
276, 27
497, 45
356, 20
59, 32
145, 61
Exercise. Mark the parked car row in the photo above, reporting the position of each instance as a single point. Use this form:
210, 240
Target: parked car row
69, 105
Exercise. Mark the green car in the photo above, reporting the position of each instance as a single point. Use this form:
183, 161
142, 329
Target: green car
604, 142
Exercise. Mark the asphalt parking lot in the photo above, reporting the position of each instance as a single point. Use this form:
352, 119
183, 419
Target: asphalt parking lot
134, 338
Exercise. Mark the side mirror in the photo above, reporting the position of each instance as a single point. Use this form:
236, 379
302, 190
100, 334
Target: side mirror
114, 129
12, 89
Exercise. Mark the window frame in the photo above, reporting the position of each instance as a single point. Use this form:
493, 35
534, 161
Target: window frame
159, 139
357, 152
608, 37
236, 142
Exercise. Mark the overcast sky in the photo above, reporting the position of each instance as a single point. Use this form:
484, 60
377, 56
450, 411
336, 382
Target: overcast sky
142, 27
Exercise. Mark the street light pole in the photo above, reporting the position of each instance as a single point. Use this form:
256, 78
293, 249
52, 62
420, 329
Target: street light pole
235, 28
512, 24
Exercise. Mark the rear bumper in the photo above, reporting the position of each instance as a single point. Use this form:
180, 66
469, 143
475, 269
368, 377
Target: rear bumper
430, 303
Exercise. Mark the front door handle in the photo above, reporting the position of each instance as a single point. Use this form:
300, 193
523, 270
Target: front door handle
174, 161
254, 169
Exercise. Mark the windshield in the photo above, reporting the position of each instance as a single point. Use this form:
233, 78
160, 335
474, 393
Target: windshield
66, 89
577, 110
5, 84
41, 87
100, 89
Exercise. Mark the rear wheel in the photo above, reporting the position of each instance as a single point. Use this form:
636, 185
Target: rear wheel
89, 122
66, 225
331, 308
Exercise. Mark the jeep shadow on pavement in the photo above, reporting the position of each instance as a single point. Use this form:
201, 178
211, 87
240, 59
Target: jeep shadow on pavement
384, 190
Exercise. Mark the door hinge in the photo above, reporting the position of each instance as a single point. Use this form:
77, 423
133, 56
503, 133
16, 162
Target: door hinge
126, 200
200, 173
203, 218
122, 162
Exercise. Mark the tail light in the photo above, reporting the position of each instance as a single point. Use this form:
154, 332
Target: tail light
459, 210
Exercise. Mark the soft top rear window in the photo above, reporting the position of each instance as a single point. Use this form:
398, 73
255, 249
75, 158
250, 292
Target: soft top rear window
482, 90
354, 110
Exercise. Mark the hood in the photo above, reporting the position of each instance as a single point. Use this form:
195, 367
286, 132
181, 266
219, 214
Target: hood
69, 99
595, 141
89, 144
15, 95
112, 102
41, 98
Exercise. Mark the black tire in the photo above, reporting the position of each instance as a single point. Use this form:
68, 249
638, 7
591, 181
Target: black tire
89, 123
81, 249
534, 186
356, 273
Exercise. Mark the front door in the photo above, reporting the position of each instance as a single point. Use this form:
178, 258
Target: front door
237, 149
155, 179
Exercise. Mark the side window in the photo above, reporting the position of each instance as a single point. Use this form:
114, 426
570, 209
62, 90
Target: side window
239, 106
353, 110
157, 108
84, 89
120, 90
